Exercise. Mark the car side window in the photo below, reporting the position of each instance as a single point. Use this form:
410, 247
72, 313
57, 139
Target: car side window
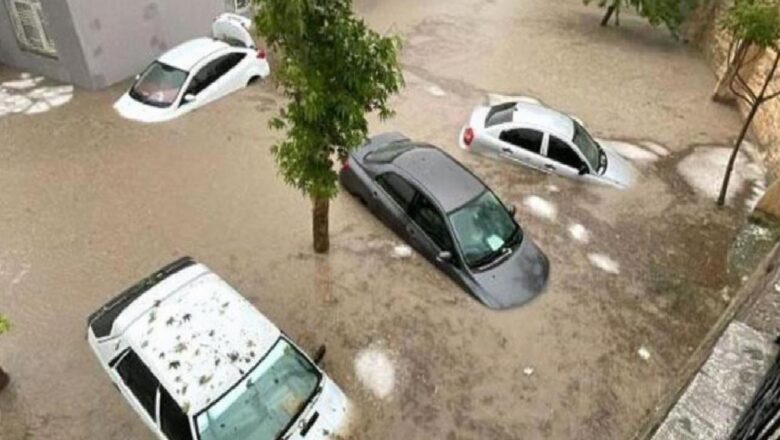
139, 380
560, 151
430, 220
524, 138
173, 422
397, 188
213, 71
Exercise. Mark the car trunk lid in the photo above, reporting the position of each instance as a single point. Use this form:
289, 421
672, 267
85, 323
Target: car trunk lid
234, 30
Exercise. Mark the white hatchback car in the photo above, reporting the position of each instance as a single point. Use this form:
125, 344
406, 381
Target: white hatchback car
544, 139
195, 73
198, 362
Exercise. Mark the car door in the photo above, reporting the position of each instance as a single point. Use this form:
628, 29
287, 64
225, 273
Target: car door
214, 79
140, 387
522, 145
429, 233
391, 199
564, 159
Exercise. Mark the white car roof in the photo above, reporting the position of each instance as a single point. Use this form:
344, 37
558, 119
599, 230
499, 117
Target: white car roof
201, 340
186, 55
543, 118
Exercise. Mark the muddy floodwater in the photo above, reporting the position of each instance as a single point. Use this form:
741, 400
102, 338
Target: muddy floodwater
90, 203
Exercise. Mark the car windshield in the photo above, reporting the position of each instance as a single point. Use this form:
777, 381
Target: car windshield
266, 402
484, 228
159, 85
589, 147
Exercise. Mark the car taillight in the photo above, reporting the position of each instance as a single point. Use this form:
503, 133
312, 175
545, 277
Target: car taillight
345, 164
261, 54
468, 137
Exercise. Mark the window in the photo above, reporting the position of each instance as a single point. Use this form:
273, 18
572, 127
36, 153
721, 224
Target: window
266, 402
158, 85
589, 147
484, 228
560, 151
30, 26
526, 139
173, 422
141, 382
213, 71
500, 114
397, 188
430, 220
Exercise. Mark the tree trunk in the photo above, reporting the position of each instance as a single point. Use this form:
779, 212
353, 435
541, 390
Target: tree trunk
725, 186
608, 15
320, 224
759, 100
4, 379
723, 91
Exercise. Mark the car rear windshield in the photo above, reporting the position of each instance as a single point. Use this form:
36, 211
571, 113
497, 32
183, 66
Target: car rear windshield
500, 114
389, 152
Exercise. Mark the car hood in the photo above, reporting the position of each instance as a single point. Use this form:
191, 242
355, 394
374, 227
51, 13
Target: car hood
333, 413
129, 108
516, 280
619, 171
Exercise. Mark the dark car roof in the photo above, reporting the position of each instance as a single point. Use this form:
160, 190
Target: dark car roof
443, 177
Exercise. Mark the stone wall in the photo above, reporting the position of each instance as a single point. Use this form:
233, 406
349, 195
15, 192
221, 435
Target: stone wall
704, 30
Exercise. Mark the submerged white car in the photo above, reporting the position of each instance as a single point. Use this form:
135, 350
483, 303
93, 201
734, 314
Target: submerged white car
196, 72
197, 361
546, 140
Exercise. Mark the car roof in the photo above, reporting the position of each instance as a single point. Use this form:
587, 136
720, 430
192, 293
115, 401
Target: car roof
186, 55
440, 175
554, 122
201, 340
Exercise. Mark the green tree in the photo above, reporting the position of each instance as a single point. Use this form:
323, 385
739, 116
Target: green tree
333, 69
670, 13
751, 24
5, 326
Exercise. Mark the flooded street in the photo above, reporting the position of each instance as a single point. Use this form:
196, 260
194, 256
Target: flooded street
90, 203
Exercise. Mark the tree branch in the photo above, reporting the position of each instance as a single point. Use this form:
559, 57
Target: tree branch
744, 84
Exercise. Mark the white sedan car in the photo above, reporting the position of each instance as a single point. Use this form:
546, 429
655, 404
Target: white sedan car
544, 139
197, 361
196, 72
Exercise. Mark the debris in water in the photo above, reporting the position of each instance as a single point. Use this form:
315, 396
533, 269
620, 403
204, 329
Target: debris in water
605, 263
644, 353
777, 287
541, 207
528, 371
376, 371
553, 188
436, 90
579, 233
402, 251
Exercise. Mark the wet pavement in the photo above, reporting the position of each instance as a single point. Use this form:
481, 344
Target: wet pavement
91, 203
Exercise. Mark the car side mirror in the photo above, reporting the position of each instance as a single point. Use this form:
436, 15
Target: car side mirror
319, 354
512, 210
444, 256
137, 77
583, 169
189, 97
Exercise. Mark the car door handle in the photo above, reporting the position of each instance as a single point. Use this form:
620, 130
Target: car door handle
549, 167
506, 150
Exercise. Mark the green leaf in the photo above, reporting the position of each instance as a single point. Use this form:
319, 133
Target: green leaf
5, 324
334, 70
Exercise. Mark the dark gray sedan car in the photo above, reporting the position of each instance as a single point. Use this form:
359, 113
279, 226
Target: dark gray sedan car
448, 215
